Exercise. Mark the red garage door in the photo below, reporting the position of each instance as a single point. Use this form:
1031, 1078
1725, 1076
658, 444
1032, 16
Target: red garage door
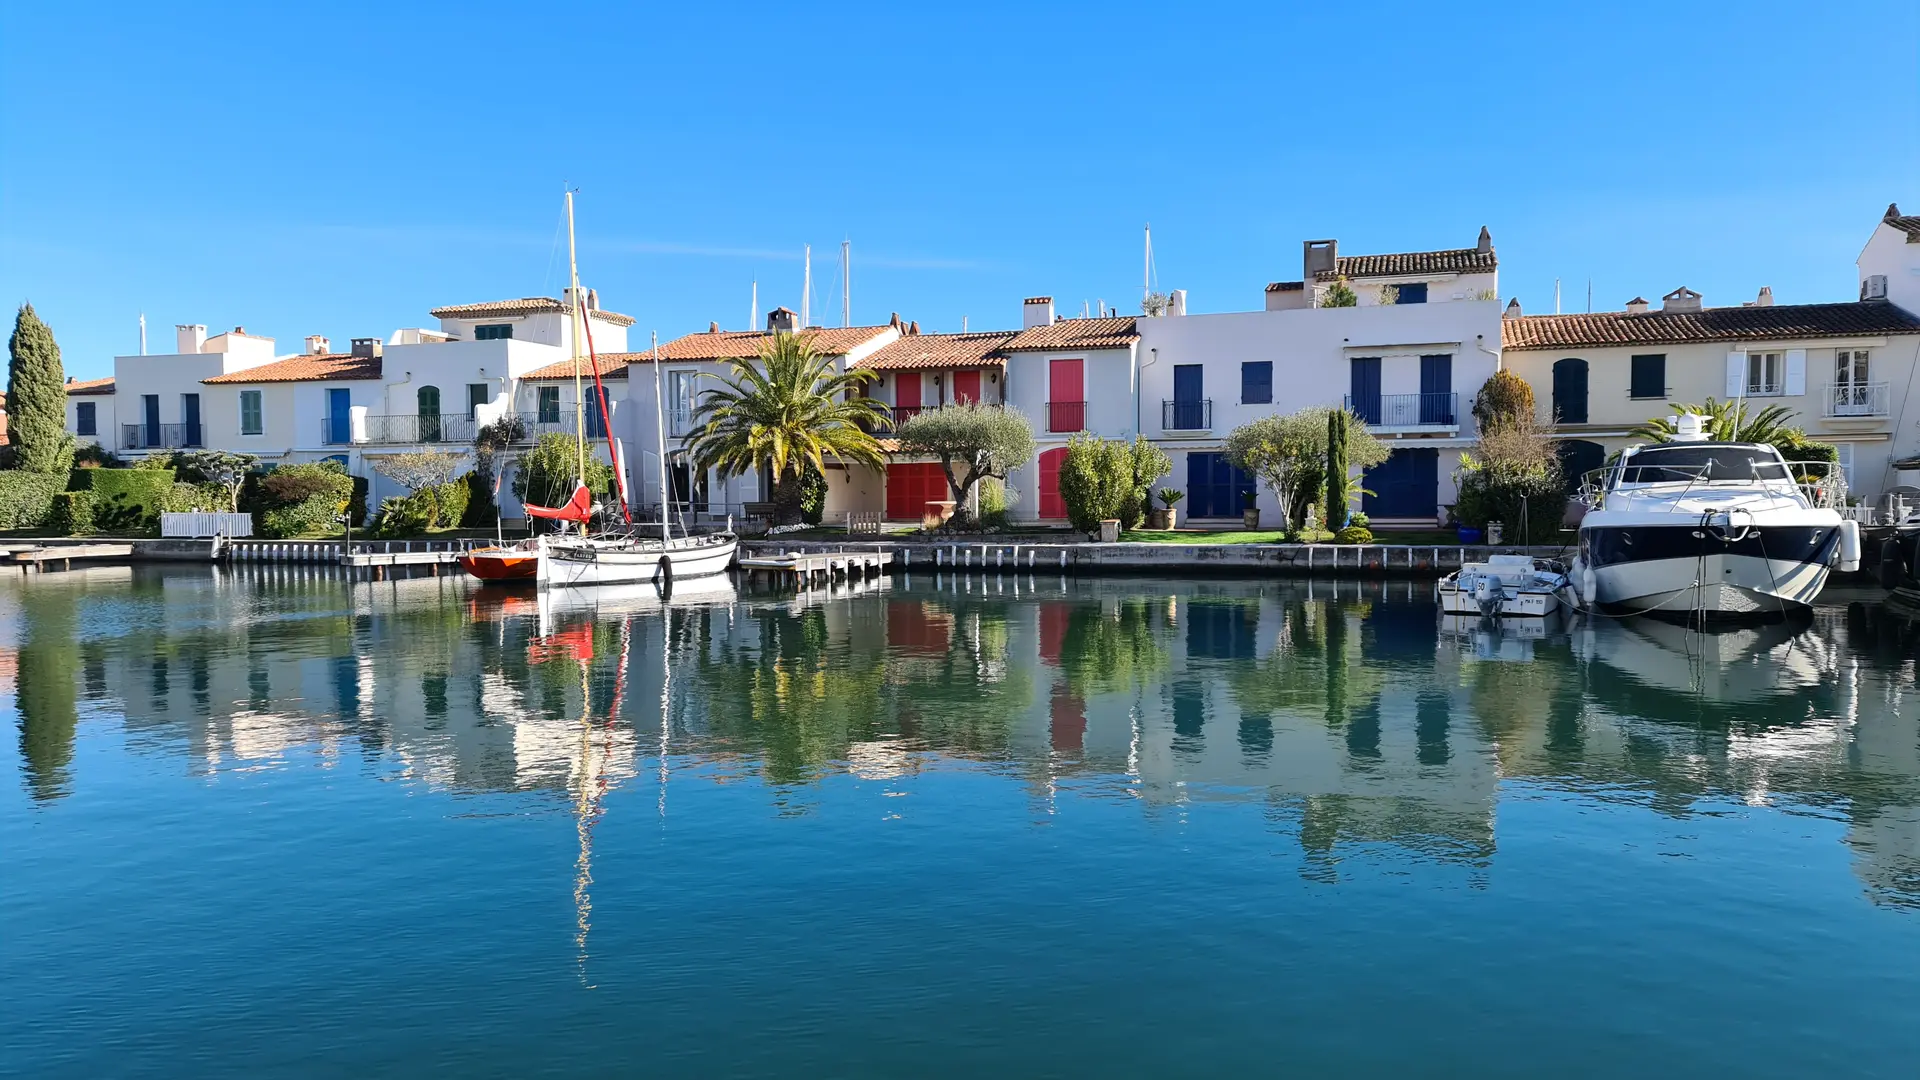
1051, 504
911, 486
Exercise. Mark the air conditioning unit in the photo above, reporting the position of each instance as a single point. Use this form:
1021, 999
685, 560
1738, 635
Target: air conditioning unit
1874, 287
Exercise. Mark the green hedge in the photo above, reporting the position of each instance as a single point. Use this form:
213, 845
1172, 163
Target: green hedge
299, 500
72, 513
196, 499
125, 499
26, 498
441, 507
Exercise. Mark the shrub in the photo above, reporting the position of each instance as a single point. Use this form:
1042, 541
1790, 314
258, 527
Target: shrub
316, 515
1512, 476
480, 509
1354, 534
996, 498
545, 473
450, 503
813, 495
1501, 398
72, 513
1096, 480
158, 461
95, 456
26, 498
125, 499
295, 484
293, 500
402, 515
1360, 518
196, 499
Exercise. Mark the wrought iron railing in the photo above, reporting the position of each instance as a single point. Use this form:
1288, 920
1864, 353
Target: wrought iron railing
160, 436
1857, 399
1406, 410
336, 430
1189, 415
1066, 416
404, 430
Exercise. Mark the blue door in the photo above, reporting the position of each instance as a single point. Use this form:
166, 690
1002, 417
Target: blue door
1570, 390
339, 417
1406, 485
1436, 389
150, 408
190, 419
1187, 394
1214, 487
1364, 400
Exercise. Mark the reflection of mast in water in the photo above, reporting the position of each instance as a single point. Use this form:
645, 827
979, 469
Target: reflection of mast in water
590, 774
666, 699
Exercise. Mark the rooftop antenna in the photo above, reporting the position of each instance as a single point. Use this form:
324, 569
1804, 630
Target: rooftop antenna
1146, 273
846, 283
963, 324
806, 287
1556, 296
1589, 300
753, 313
143, 333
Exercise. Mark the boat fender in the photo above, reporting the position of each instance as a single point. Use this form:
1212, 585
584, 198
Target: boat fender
1588, 586
1849, 546
1893, 568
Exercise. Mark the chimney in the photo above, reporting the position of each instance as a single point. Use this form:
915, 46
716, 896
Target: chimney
1513, 309
1680, 299
713, 327
593, 299
366, 346
1177, 302
1893, 211
1036, 311
913, 328
1485, 246
1637, 306
1321, 256
190, 337
894, 321
1765, 299
317, 345
782, 319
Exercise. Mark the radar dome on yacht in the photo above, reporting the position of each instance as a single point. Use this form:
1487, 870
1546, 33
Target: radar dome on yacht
1689, 427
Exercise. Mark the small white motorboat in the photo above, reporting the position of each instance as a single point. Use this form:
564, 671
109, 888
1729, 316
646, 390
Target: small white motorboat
1505, 586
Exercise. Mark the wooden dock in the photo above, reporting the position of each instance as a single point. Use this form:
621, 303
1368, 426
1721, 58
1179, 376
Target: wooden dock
66, 554
805, 569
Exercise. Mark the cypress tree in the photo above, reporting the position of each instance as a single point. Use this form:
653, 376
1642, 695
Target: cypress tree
1336, 484
37, 397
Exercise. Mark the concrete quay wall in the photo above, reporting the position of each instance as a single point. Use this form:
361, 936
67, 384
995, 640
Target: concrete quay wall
1180, 560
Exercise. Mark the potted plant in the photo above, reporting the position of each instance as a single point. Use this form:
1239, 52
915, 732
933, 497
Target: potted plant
1250, 509
1165, 518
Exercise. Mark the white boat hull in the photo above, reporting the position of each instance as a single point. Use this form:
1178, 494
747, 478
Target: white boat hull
569, 563
1526, 605
1712, 585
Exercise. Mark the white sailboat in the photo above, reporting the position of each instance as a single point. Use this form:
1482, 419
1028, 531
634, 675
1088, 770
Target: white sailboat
617, 558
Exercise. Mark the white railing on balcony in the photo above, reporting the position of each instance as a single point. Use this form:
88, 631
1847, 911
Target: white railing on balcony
1857, 400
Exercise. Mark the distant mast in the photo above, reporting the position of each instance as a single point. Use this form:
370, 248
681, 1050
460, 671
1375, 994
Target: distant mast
846, 283
753, 311
806, 286
576, 305
143, 333
1146, 272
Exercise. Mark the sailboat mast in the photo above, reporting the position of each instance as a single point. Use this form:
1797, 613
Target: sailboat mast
574, 306
660, 438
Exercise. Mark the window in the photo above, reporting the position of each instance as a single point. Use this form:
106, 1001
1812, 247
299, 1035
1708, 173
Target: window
1415, 293
478, 394
251, 422
549, 406
1850, 367
493, 332
84, 418
1766, 373
1256, 382
1649, 376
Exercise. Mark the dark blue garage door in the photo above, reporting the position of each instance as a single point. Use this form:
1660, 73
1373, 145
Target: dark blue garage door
1406, 485
1214, 486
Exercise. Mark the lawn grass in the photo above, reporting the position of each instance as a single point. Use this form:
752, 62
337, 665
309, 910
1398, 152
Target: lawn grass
1183, 536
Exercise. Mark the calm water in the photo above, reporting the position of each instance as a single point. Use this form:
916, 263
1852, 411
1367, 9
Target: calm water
261, 823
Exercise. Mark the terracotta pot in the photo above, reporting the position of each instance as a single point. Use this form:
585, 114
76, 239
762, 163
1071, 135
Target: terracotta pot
1250, 518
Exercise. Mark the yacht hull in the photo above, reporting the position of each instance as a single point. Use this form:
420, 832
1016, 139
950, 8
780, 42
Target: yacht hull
1686, 571
567, 563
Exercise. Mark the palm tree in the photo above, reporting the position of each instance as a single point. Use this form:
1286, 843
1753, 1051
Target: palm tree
1728, 421
789, 410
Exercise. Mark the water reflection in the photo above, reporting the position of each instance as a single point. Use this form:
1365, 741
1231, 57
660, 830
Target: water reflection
1354, 715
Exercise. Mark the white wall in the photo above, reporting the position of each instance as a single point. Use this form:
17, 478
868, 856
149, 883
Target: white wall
106, 427
1888, 252
553, 329
1109, 378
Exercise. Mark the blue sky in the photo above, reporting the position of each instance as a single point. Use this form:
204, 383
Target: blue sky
339, 169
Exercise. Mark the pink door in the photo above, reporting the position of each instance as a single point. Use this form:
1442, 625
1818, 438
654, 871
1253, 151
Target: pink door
1066, 396
1051, 504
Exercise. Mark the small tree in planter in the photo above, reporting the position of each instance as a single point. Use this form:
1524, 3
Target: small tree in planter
1337, 485
1250, 508
1166, 518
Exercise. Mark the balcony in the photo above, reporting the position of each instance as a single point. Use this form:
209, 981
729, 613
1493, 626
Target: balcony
552, 422
419, 430
160, 436
336, 430
1067, 416
1407, 412
1856, 401
1190, 415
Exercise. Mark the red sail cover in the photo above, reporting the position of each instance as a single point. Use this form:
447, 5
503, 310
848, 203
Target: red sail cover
578, 508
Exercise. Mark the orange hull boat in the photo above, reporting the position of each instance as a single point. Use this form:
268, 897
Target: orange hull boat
501, 564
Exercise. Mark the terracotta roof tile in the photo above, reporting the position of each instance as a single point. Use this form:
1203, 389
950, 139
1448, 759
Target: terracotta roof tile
91, 386
1110, 333
723, 345
1777, 323
1454, 261
925, 352
1286, 286
330, 367
526, 305
1909, 224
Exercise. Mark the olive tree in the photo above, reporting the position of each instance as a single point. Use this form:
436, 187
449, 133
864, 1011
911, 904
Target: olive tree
1289, 454
222, 467
971, 442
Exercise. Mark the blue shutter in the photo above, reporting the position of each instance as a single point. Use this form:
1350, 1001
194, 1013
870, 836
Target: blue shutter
1436, 389
1256, 382
1570, 390
1364, 400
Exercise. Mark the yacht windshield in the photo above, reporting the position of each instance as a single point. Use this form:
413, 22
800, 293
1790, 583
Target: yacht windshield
1688, 464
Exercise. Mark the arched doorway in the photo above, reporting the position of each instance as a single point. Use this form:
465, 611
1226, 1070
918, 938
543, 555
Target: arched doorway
1570, 391
428, 400
1579, 457
1052, 506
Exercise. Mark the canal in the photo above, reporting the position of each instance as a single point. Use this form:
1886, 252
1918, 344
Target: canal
267, 821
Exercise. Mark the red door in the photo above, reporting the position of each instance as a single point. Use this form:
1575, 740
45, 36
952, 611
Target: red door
1066, 396
1051, 504
906, 393
910, 486
966, 386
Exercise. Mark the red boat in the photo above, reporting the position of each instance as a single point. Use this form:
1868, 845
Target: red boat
517, 563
